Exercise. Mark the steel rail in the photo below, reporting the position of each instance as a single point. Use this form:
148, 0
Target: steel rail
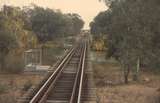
77, 80
82, 75
51, 86
42, 90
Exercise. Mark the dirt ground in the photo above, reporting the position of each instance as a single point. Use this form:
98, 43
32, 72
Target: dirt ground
13, 86
111, 89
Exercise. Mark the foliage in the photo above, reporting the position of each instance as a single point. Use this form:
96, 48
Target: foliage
76, 23
14, 63
131, 27
22, 29
98, 45
17, 22
15, 36
7, 42
49, 24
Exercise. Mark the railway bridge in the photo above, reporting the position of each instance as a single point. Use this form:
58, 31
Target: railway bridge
70, 81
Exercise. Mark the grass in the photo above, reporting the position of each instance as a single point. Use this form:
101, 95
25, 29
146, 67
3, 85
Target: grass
15, 85
51, 54
111, 89
13, 64
27, 85
3, 88
107, 73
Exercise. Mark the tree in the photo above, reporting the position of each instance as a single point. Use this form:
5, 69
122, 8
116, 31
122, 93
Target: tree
131, 30
7, 41
49, 24
77, 23
15, 35
18, 22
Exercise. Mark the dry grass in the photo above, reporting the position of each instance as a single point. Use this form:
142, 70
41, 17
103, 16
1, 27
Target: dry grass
107, 73
127, 94
111, 89
15, 84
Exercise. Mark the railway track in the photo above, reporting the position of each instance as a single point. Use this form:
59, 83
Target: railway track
69, 83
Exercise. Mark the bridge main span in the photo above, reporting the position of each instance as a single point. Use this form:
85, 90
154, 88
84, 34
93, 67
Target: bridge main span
70, 81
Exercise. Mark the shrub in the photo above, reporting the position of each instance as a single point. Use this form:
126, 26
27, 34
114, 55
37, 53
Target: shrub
27, 85
14, 63
3, 88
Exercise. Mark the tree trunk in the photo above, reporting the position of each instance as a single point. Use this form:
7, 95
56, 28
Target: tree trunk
41, 54
126, 74
2, 62
136, 73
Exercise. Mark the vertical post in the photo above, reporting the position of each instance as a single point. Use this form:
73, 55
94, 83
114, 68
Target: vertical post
41, 56
138, 65
135, 76
25, 59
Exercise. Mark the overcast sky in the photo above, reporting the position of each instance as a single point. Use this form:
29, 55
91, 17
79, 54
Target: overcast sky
88, 9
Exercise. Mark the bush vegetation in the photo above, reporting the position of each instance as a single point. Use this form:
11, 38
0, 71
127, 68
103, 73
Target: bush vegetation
27, 85
3, 88
14, 63
31, 27
132, 30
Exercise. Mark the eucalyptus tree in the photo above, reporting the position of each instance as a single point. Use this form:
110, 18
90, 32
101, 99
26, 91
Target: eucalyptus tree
7, 40
77, 23
131, 27
15, 35
18, 22
49, 24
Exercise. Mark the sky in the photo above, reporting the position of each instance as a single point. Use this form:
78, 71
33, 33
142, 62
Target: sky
87, 9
